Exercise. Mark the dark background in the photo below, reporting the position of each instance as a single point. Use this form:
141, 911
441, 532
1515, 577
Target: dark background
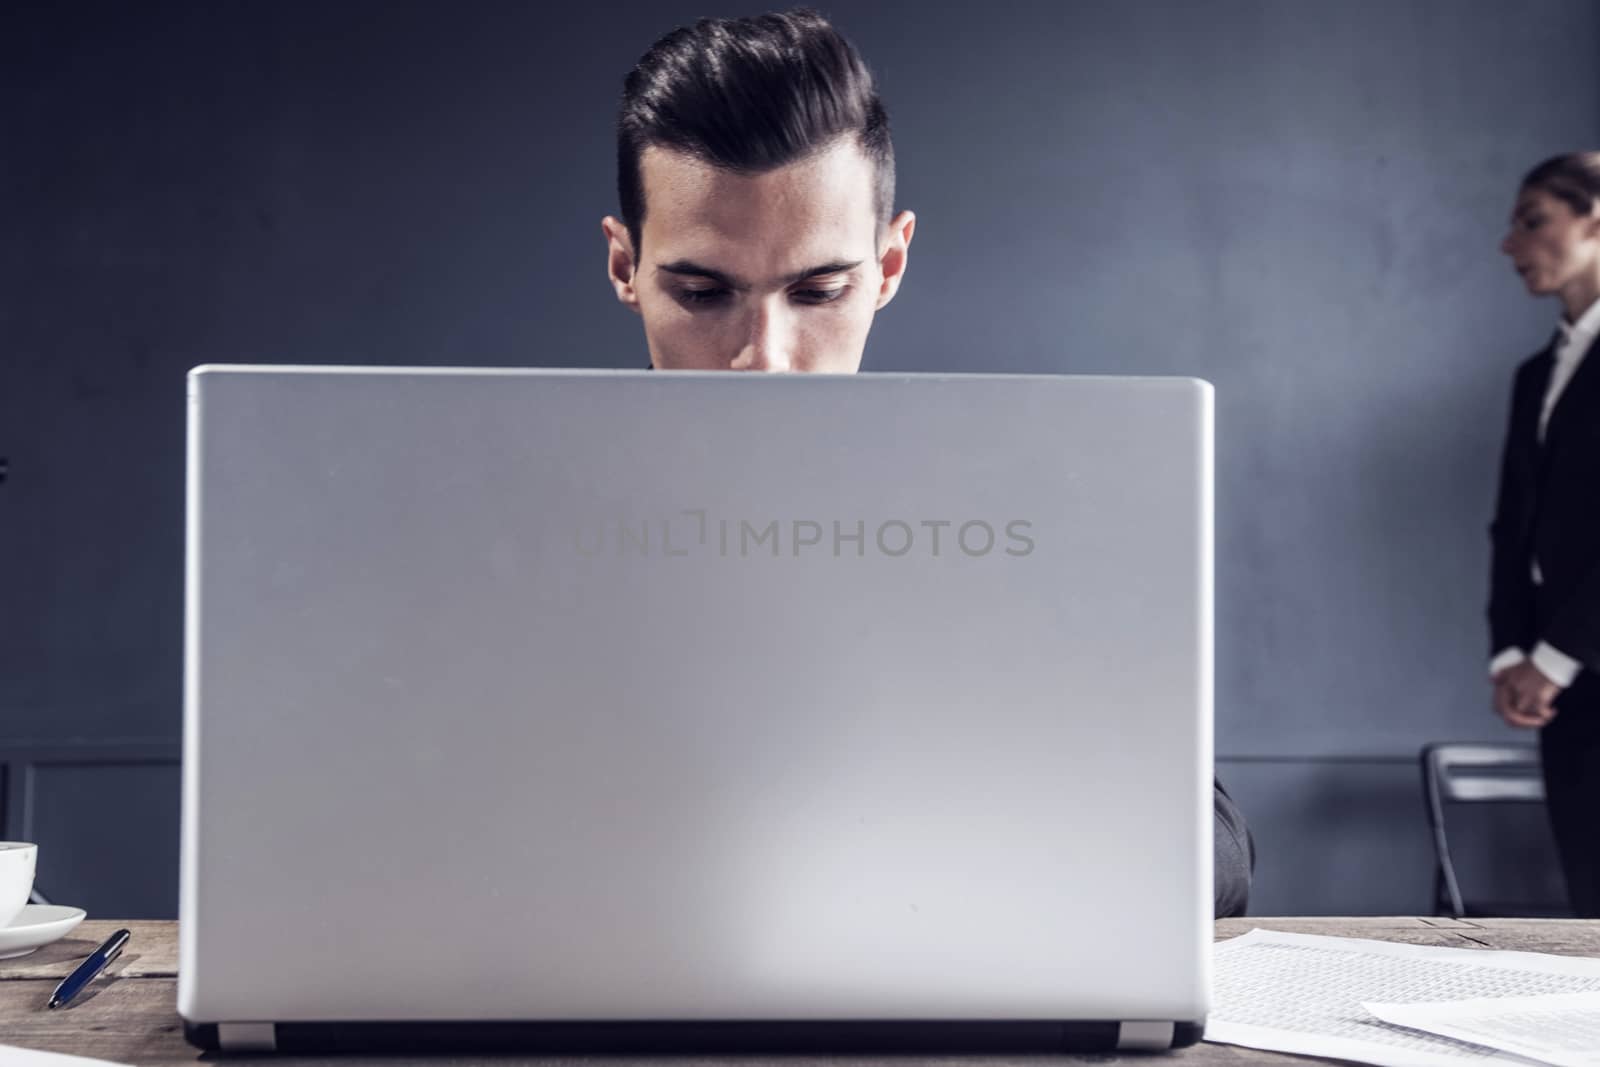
1298, 201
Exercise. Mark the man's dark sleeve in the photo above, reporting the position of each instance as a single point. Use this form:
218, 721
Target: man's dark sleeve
1510, 580
1234, 856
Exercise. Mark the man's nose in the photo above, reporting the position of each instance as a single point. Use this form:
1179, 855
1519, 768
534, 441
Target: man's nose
769, 344
1505, 243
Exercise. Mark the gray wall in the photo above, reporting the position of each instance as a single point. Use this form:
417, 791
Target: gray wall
1300, 202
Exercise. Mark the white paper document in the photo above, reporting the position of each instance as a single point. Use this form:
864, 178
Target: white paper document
1561, 1029
1305, 993
12, 1056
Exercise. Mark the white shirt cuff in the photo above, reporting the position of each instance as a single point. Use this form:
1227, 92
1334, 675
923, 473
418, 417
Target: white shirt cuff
1506, 657
1555, 664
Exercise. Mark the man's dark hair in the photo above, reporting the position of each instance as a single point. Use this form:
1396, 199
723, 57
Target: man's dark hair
1574, 178
750, 95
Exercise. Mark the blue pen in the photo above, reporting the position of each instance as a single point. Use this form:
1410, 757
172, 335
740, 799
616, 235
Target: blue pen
73, 983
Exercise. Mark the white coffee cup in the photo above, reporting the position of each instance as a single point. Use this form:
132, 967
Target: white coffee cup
16, 877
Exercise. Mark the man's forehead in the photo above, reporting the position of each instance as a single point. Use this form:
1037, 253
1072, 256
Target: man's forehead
817, 209
1532, 198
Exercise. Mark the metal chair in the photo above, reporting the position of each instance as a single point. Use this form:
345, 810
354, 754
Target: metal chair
1473, 773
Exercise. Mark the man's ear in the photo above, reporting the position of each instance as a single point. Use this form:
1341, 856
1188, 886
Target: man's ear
892, 261
620, 263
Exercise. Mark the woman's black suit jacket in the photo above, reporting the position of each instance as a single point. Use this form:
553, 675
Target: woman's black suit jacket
1549, 509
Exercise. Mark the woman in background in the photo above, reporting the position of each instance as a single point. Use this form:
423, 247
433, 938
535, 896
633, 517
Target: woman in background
1544, 599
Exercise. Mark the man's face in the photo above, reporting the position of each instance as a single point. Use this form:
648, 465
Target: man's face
1550, 245
781, 271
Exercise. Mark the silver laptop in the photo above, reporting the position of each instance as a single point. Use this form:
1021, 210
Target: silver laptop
627, 710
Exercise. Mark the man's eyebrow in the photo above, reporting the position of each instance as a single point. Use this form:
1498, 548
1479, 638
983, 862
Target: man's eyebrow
689, 268
838, 266
695, 270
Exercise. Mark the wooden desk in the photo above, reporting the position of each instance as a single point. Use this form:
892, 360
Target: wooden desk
130, 1017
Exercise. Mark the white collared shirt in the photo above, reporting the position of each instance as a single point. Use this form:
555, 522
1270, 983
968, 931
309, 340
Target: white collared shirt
1573, 342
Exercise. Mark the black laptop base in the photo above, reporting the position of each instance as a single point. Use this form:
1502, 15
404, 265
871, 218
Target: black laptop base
700, 1037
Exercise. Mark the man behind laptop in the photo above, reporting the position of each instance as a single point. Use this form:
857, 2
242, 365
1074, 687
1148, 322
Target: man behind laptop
756, 178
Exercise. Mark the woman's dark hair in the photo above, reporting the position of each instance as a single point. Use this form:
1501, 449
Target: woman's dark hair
750, 95
1573, 178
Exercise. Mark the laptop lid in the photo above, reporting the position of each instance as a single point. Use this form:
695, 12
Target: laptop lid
576, 697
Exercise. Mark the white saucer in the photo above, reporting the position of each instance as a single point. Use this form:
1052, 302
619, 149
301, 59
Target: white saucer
37, 925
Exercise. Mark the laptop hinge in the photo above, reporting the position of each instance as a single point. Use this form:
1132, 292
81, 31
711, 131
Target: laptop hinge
247, 1037
1145, 1035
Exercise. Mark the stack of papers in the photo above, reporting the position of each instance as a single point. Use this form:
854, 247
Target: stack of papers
1307, 994
27, 1057
1563, 1028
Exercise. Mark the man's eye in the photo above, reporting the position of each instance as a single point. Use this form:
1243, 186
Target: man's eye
1532, 222
702, 296
820, 296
